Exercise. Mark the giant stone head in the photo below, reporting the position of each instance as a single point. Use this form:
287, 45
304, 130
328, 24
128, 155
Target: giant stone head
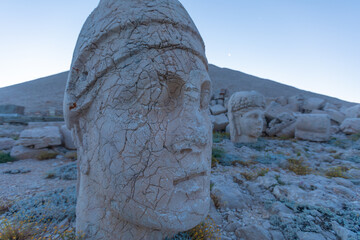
246, 116
137, 103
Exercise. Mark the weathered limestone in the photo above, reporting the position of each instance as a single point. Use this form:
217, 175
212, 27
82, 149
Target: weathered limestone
217, 109
313, 103
219, 122
40, 137
6, 143
21, 152
282, 126
274, 109
350, 126
137, 102
245, 112
296, 103
313, 127
353, 112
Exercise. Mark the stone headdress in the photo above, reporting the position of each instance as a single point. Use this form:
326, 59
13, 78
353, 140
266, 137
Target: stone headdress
245, 101
117, 30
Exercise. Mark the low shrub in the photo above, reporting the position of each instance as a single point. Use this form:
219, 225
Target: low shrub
5, 157
337, 172
244, 163
205, 230
47, 155
19, 230
297, 166
219, 136
217, 155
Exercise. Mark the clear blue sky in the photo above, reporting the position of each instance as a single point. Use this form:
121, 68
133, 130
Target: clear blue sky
310, 44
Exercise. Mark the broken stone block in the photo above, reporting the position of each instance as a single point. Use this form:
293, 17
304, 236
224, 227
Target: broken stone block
313, 104
40, 137
313, 127
282, 126
219, 122
21, 152
217, 109
350, 126
353, 112
6, 143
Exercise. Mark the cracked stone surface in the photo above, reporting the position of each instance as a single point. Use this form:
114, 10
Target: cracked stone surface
137, 102
246, 116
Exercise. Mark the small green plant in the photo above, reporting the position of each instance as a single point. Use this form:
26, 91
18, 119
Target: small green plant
262, 172
355, 137
337, 172
46, 155
71, 155
297, 166
217, 154
219, 136
5, 157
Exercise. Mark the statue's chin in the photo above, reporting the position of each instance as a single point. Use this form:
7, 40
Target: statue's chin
184, 216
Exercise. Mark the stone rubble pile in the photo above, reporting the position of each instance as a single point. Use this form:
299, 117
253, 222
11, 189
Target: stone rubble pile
35, 140
312, 119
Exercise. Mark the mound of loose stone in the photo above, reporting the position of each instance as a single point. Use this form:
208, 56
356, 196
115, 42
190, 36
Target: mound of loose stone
287, 189
312, 119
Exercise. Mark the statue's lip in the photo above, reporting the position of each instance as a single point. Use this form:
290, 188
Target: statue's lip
189, 177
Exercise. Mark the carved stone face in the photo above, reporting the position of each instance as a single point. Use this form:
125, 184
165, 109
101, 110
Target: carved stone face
251, 123
148, 140
246, 116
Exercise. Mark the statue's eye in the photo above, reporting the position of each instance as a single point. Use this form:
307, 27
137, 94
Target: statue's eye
205, 95
171, 91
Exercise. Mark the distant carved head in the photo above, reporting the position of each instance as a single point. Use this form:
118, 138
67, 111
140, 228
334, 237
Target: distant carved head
137, 102
246, 116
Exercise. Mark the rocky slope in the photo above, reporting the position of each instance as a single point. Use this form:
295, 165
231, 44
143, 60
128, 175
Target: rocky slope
44, 94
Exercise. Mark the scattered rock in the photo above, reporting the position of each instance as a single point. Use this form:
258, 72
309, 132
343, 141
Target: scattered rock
274, 110
313, 127
296, 103
253, 232
282, 126
353, 112
40, 137
17, 171
350, 125
217, 109
219, 122
6, 143
21, 152
313, 104
310, 236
